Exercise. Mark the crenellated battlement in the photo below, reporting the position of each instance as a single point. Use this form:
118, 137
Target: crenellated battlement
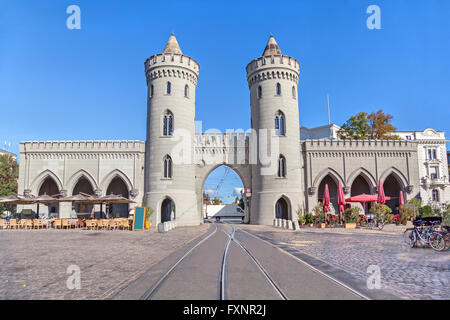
220, 140
83, 146
273, 67
358, 145
172, 65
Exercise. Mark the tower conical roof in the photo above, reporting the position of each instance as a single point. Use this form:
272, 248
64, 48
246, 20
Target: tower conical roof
272, 48
172, 46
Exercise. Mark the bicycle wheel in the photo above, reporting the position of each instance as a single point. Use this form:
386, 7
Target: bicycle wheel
412, 239
380, 225
407, 236
437, 242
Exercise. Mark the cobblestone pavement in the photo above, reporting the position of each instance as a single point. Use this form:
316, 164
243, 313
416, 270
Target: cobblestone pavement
408, 273
33, 263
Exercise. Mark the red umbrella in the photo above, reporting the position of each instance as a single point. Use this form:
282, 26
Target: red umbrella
326, 200
381, 197
340, 200
365, 198
401, 201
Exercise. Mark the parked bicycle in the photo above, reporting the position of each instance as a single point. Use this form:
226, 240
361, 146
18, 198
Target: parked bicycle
425, 232
446, 236
374, 221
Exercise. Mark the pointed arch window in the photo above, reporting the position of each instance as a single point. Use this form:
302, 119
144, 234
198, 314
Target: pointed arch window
259, 92
169, 87
186, 91
278, 89
167, 170
168, 123
294, 95
281, 167
280, 125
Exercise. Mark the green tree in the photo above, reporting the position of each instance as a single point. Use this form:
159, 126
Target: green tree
216, 201
363, 126
356, 128
9, 172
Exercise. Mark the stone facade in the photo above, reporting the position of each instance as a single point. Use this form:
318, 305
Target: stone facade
433, 165
65, 163
286, 166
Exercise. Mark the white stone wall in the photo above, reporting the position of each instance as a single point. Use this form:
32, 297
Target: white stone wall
68, 161
431, 139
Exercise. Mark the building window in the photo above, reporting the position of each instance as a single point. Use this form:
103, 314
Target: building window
280, 126
168, 123
435, 195
278, 89
434, 173
151, 91
293, 93
186, 91
281, 167
432, 154
259, 92
167, 167
169, 88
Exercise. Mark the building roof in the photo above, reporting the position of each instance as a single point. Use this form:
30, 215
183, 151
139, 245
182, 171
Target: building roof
272, 48
172, 46
7, 152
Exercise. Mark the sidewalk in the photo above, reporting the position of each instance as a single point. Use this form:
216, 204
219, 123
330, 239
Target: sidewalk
390, 229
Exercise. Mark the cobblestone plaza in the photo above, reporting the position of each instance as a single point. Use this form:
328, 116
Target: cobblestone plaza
33, 263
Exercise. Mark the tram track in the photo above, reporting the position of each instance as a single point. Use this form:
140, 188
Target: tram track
230, 274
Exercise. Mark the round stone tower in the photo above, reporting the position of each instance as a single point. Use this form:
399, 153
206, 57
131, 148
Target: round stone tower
273, 80
169, 169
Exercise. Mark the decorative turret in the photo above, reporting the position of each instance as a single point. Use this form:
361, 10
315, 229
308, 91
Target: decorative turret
273, 80
170, 184
172, 46
272, 48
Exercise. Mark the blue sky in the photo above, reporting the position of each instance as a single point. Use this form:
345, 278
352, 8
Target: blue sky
60, 84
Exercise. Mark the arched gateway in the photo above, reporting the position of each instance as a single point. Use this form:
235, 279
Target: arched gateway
286, 175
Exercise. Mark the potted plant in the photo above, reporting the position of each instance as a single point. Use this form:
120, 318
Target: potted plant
309, 219
351, 217
321, 220
382, 212
405, 214
148, 214
301, 220
319, 216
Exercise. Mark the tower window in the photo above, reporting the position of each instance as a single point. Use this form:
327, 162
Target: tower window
278, 89
280, 125
169, 88
186, 91
281, 167
259, 92
293, 93
151, 91
168, 123
167, 167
